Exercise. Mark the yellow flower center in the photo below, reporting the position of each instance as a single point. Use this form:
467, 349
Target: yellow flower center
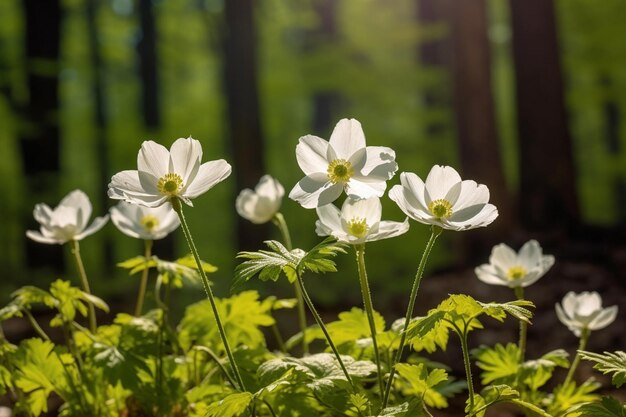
516, 272
357, 227
441, 209
149, 222
340, 171
170, 184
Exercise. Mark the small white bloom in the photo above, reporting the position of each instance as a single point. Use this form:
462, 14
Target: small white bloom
444, 200
68, 221
584, 311
357, 222
5, 412
260, 206
162, 175
145, 223
342, 163
511, 269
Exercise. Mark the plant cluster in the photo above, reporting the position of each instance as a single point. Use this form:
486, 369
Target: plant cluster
215, 362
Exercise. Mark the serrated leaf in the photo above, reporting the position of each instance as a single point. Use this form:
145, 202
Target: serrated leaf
190, 262
232, 405
413, 408
608, 407
353, 325
609, 363
422, 383
571, 396
500, 363
29, 295
428, 333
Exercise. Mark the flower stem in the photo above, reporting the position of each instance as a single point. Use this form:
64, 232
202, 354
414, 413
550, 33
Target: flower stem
85, 283
177, 206
36, 325
468, 369
584, 337
369, 309
279, 221
523, 328
435, 232
320, 323
144, 278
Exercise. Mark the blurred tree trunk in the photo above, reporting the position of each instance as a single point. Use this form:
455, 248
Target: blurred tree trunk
148, 66
325, 103
246, 136
475, 117
547, 197
101, 122
40, 142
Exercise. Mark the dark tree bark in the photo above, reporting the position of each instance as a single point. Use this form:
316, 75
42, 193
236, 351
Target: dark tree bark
246, 135
39, 139
148, 65
100, 120
475, 117
548, 198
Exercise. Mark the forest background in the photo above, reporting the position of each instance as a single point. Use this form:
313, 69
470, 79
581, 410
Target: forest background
526, 96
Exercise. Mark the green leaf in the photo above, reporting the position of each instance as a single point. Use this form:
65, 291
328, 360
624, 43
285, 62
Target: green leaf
569, 397
231, 406
480, 406
243, 315
28, 295
190, 262
535, 373
608, 407
359, 401
352, 325
428, 333
413, 408
500, 363
422, 383
609, 363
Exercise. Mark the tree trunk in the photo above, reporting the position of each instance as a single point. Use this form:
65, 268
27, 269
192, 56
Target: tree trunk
40, 141
475, 118
246, 136
548, 199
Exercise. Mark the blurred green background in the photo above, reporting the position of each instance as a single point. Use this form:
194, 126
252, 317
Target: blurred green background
466, 83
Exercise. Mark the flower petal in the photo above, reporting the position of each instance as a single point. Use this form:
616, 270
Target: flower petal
209, 174
347, 138
389, 229
78, 201
315, 190
606, 317
97, 224
125, 217
311, 154
184, 158
380, 163
369, 209
530, 254
38, 237
153, 158
269, 187
42, 213
362, 187
488, 274
439, 181
329, 222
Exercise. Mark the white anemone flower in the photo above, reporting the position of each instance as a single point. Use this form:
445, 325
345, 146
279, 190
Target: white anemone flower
444, 200
147, 223
357, 222
260, 206
67, 222
342, 163
511, 269
162, 175
584, 312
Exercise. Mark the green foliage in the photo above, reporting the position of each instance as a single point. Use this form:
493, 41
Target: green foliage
179, 271
609, 363
231, 406
269, 265
568, 398
607, 407
423, 384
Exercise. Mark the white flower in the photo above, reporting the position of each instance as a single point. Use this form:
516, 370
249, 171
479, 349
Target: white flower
357, 222
145, 223
68, 221
584, 311
260, 206
512, 269
444, 199
163, 175
344, 162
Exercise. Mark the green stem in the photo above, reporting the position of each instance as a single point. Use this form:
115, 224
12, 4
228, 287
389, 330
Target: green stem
35, 325
217, 362
279, 338
177, 206
369, 309
279, 221
320, 323
85, 283
468, 369
584, 338
144, 278
435, 232
523, 328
